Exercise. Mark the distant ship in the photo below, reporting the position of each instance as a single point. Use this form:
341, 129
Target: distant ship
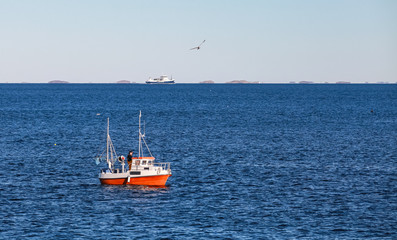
162, 80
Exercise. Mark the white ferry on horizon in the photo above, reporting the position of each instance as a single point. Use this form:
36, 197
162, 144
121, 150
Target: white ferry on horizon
162, 80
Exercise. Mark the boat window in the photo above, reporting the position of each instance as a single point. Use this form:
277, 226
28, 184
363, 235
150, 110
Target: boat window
144, 162
149, 163
135, 173
137, 162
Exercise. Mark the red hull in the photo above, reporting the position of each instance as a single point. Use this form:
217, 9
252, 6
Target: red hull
159, 180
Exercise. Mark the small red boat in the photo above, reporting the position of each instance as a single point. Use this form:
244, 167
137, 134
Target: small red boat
141, 170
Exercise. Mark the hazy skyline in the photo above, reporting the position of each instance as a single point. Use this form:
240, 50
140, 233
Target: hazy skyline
268, 41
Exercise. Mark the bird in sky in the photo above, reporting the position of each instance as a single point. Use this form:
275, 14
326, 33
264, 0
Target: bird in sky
198, 47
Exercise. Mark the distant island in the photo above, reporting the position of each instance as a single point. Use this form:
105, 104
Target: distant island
123, 82
343, 82
241, 82
58, 81
207, 82
306, 82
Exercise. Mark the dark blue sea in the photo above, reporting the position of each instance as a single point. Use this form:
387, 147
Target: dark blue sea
248, 161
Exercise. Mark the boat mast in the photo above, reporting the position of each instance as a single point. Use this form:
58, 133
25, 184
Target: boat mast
142, 138
140, 143
107, 146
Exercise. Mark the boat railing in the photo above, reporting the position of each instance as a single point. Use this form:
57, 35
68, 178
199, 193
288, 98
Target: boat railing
115, 170
106, 170
164, 166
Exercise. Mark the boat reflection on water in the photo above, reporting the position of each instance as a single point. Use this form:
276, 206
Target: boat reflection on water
136, 187
138, 193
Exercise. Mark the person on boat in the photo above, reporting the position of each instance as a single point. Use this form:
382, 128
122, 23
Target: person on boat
129, 159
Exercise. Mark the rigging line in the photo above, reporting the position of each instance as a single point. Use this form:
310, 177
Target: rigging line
99, 149
103, 153
112, 148
147, 147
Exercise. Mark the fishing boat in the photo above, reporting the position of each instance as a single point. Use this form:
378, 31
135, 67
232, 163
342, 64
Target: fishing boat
162, 80
141, 170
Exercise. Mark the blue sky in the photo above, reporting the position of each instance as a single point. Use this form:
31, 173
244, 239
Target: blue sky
256, 40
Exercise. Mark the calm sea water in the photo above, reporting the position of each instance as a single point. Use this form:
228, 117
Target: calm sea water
248, 161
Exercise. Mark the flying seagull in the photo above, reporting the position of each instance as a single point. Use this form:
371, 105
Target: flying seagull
198, 47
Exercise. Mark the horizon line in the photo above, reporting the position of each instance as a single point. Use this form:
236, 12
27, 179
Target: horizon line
207, 83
